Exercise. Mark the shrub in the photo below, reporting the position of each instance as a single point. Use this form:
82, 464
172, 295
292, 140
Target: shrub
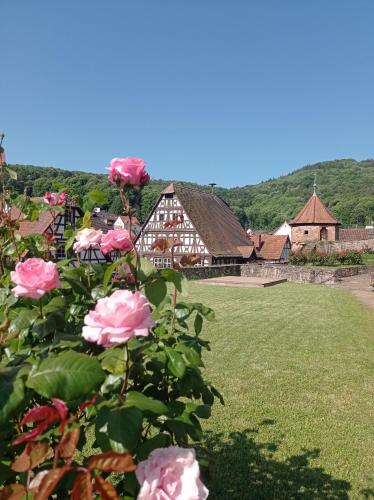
84, 354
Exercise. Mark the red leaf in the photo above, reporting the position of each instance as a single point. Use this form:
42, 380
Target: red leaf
82, 488
49, 483
13, 492
61, 408
30, 436
46, 415
39, 413
69, 443
111, 461
105, 489
33, 455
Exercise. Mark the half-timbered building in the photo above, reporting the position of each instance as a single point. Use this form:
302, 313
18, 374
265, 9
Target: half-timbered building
207, 228
52, 224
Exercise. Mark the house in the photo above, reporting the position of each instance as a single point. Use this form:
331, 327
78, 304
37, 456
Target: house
53, 225
313, 223
284, 230
106, 220
271, 248
123, 222
203, 224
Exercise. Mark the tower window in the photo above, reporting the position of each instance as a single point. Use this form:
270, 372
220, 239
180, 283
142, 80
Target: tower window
306, 232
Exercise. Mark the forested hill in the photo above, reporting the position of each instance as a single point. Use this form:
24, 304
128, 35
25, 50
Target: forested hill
345, 186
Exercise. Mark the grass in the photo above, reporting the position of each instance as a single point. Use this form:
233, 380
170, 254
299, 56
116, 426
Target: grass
295, 366
368, 259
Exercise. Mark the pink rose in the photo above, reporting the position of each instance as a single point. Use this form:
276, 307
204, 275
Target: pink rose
55, 198
87, 238
34, 277
118, 318
170, 474
116, 239
128, 171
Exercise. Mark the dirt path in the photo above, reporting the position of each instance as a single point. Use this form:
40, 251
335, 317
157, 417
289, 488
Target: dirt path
360, 287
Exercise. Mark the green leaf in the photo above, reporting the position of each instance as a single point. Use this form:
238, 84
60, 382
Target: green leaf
145, 269
111, 269
145, 403
159, 441
44, 326
68, 376
156, 291
180, 281
119, 429
97, 197
86, 221
191, 354
56, 304
113, 361
69, 243
22, 317
176, 365
78, 287
198, 323
11, 393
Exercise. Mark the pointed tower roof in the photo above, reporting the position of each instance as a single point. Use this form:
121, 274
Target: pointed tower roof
314, 212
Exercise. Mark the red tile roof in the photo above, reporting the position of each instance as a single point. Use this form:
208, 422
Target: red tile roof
314, 212
27, 227
269, 246
356, 234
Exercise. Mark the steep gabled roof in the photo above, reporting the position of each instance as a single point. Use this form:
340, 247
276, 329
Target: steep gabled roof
217, 226
314, 212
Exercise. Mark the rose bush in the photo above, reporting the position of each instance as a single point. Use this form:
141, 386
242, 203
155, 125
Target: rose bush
109, 355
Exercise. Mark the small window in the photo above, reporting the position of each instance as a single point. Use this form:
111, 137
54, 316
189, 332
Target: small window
161, 217
175, 216
169, 195
306, 232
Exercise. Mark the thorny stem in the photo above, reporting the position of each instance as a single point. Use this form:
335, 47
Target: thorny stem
41, 308
126, 381
127, 209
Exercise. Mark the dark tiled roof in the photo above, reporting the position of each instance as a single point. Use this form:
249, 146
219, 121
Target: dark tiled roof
105, 220
218, 227
356, 234
314, 212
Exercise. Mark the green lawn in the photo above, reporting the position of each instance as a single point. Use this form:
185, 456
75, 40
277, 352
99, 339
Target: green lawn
295, 365
369, 259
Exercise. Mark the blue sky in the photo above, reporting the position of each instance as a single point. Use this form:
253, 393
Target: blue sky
225, 91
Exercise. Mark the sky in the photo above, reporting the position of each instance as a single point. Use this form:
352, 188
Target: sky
226, 91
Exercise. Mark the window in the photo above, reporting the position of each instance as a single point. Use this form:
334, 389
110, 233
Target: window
169, 195
161, 217
175, 216
306, 232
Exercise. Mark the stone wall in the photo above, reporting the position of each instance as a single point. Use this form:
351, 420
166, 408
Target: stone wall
341, 246
201, 273
301, 274
295, 274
